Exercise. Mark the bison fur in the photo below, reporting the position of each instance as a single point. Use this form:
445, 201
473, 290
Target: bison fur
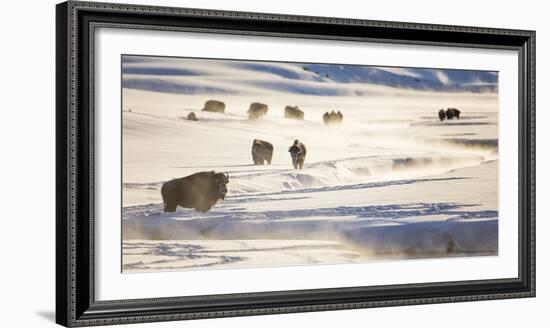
452, 113
298, 154
294, 113
214, 106
200, 191
262, 151
256, 110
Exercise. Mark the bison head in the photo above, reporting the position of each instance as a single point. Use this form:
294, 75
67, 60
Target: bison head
295, 152
220, 184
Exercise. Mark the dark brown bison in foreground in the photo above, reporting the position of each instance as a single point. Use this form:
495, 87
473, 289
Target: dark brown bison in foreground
214, 106
192, 117
441, 114
256, 110
452, 113
200, 191
298, 154
333, 117
294, 113
262, 151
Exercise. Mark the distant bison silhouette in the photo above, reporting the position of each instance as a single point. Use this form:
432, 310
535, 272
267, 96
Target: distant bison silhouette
262, 151
294, 113
199, 191
298, 154
449, 114
452, 113
256, 110
441, 114
192, 117
333, 117
214, 106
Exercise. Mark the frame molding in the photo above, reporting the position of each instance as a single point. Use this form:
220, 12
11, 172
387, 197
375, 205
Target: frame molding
75, 26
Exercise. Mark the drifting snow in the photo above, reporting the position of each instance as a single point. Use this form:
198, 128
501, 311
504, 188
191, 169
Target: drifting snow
148, 255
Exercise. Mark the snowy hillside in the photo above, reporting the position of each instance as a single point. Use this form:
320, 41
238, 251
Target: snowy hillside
187, 76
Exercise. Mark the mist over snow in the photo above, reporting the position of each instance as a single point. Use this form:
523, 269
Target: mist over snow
391, 181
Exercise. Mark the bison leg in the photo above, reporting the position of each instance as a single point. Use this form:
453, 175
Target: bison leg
170, 207
168, 198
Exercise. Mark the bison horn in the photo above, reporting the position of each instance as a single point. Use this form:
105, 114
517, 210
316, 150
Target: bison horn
227, 176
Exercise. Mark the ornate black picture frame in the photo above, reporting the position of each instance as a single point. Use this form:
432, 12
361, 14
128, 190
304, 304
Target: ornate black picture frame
75, 279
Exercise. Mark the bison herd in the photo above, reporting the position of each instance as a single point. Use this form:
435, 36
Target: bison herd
257, 110
202, 190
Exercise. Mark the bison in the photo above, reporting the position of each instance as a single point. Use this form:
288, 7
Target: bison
214, 106
326, 118
192, 117
441, 114
298, 154
333, 117
452, 113
256, 110
262, 151
294, 113
199, 191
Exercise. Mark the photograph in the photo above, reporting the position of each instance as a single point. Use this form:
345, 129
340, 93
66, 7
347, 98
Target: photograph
232, 163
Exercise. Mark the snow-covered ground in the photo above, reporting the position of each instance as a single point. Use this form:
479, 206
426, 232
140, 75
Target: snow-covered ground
391, 181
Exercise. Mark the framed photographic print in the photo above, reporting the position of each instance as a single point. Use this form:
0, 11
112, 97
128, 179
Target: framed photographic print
214, 163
